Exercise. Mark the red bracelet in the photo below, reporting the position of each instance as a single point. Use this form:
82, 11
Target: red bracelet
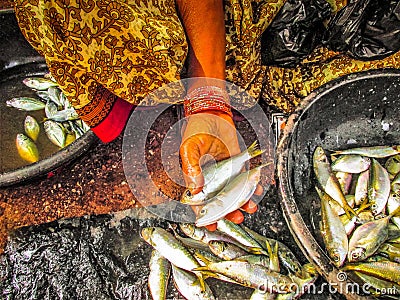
207, 98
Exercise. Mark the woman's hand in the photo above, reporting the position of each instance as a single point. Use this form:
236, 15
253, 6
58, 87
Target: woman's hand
210, 133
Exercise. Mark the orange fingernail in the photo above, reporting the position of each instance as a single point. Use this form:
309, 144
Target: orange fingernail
235, 217
211, 227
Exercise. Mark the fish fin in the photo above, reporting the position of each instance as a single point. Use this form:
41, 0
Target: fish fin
201, 269
256, 250
269, 249
207, 274
253, 150
273, 256
347, 208
201, 281
203, 258
364, 205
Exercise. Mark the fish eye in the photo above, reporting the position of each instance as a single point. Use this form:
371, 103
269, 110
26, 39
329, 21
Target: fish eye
203, 211
188, 193
357, 254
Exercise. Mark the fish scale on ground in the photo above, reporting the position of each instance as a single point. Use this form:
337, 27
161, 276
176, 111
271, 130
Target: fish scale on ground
372, 230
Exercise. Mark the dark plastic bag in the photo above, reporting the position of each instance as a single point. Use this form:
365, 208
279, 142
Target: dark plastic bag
366, 29
294, 32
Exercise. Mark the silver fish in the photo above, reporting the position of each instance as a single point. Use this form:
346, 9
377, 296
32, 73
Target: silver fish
333, 232
64, 115
255, 259
374, 151
392, 165
286, 256
328, 180
203, 234
204, 256
55, 132
251, 275
232, 197
368, 237
39, 83
55, 95
361, 191
392, 204
159, 274
375, 283
308, 277
50, 109
26, 103
217, 175
171, 248
226, 251
188, 285
386, 270
64, 100
393, 232
239, 234
345, 180
379, 187
76, 128
44, 95
27, 149
32, 128
361, 218
395, 185
391, 251
351, 163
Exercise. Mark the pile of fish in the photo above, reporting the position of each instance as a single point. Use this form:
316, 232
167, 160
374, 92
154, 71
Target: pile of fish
233, 253
61, 123
359, 189
226, 187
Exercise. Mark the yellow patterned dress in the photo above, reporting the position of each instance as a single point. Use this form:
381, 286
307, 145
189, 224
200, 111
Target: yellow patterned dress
102, 51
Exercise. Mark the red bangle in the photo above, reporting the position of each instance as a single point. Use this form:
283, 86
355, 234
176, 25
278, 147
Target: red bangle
207, 98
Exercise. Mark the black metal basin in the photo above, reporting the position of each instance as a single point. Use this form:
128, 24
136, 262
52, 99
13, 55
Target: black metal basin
18, 60
356, 110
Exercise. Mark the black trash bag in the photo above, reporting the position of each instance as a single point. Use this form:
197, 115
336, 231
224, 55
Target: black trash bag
366, 29
294, 32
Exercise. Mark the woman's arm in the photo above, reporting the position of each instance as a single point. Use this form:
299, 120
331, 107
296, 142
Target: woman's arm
204, 25
211, 132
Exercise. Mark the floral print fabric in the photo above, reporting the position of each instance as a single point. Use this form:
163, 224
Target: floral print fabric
133, 47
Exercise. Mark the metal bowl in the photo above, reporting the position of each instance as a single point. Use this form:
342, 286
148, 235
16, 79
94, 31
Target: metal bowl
361, 109
19, 60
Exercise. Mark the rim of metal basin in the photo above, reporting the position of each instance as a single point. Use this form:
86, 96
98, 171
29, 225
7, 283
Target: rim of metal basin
43, 167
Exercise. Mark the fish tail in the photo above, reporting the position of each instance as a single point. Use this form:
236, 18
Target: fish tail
253, 150
207, 274
203, 258
269, 249
201, 269
349, 211
201, 280
256, 250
